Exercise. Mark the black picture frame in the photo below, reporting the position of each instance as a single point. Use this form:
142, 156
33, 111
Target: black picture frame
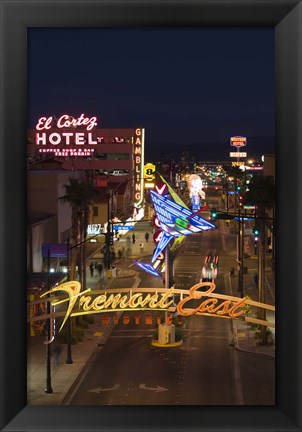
19, 15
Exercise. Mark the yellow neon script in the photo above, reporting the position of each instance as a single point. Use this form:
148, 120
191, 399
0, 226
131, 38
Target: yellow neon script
211, 305
109, 302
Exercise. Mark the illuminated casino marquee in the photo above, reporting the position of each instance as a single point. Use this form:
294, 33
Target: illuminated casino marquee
138, 150
205, 301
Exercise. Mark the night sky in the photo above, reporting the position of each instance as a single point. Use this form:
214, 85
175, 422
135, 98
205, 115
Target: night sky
191, 88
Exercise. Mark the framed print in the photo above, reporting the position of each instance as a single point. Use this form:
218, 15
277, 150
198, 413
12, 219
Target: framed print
18, 17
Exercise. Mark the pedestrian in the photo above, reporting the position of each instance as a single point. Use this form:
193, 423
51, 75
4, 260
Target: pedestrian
147, 237
91, 269
232, 272
133, 238
119, 252
56, 351
100, 269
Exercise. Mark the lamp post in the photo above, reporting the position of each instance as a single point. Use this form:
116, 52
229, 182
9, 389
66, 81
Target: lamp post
240, 252
261, 277
68, 358
108, 233
48, 388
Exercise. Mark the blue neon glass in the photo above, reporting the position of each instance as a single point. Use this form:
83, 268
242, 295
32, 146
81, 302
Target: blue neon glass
175, 221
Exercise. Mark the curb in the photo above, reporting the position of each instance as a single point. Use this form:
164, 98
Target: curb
236, 342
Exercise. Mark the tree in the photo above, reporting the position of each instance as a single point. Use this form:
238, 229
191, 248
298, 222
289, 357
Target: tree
261, 193
80, 195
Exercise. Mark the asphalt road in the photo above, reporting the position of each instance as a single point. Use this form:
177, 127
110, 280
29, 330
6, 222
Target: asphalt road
205, 370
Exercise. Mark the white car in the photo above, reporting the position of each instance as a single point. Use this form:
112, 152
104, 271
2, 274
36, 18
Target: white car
118, 173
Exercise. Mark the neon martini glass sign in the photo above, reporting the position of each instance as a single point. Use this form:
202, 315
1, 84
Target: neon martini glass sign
175, 221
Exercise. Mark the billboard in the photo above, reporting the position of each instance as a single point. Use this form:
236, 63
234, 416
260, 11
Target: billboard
238, 141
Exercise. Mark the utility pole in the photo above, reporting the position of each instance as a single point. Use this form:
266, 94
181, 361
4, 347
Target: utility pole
261, 278
240, 253
108, 233
241, 222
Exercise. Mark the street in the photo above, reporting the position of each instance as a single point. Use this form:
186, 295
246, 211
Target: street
204, 370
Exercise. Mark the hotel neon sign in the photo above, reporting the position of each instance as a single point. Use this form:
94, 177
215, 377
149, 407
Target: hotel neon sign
156, 299
62, 137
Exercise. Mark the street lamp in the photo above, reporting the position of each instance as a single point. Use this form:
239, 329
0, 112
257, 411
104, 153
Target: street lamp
48, 388
107, 260
68, 358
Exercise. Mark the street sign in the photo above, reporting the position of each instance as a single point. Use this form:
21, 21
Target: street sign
123, 227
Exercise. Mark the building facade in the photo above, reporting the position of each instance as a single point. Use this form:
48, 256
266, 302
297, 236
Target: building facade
110, 157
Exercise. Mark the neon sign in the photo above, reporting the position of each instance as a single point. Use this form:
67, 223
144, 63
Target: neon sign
66, 121
59, 138
68, 152
161, 189
238, 154
175, 221
149, 170
210, 303
138, 149
195, 185
238, 141
94, 229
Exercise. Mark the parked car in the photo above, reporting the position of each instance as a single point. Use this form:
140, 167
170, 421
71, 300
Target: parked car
118, 173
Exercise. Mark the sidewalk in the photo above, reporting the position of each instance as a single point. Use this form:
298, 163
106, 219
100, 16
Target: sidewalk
64, 376
244, 333
141, 249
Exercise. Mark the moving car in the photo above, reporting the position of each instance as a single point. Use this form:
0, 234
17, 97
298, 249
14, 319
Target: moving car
210, 268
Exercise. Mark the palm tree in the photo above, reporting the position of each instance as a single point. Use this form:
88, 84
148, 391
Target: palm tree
80, 195
89, 194
261, 193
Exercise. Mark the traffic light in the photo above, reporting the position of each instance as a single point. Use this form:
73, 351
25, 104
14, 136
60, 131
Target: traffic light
214, 213
256, 231
238, 188
109, 238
